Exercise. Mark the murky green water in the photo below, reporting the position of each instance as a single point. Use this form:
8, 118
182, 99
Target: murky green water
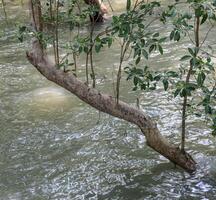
53, 146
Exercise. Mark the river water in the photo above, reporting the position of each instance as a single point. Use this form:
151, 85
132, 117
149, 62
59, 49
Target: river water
53, 146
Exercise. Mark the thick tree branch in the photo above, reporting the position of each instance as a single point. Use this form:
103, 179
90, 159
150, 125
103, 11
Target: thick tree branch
107, 104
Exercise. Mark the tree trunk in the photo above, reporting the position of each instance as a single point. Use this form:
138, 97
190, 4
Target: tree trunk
107, 104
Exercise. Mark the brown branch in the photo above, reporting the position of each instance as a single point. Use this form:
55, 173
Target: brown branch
124, 48
91, 54
75, 63
56, 32
185, 100
5, 13
36, 15
107, 104
86, 70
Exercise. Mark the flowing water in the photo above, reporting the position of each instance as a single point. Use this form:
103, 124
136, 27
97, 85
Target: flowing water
53, 146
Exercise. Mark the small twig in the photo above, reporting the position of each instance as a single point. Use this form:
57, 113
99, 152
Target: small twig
33, 15
87, 79
110, 5
56, 32
75, 62
92, 69
91, 54
5, 13
64, 58
189, 37
102, 33
206, 36
184, 109
124, 48
208, 53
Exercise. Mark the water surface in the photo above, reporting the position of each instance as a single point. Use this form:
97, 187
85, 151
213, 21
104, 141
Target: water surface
53, 146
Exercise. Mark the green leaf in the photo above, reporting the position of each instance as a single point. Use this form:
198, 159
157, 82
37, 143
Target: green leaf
176, 92
20, 38
191, 51
198, 12
151, 48
97, 48
162, 39
165, 84
177, 36
204, 18
128, 5
135, 80
186, 57
143, 87
86, 49
145, 54
156, 34
137, 60
214, 132
208, 109
97, 39
109, 42
150, 77
192, 62
172, 74
209, 59
160, 49
142, 26
191, 86
187, 16
139, 71
183, 92
196, 50
157, 77
135, 88
22, 29
80, 49
172, 34
201, 78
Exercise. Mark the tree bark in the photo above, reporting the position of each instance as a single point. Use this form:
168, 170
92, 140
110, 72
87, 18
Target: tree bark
107, 104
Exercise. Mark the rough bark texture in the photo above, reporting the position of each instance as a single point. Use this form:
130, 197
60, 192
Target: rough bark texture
107, 104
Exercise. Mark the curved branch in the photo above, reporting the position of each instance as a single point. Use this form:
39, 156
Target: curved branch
107, 104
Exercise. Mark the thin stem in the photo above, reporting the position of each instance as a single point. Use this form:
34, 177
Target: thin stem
75, 63
189, 36
119, 73
50, 9
92, 69
87, 79
110, 5
184, 109
102, 33
206, 36
197, 32
91, 53
124, 48
54, 49
210, 54
33, 15
136, 4
5, 13
80, 11
53, 35
56, 32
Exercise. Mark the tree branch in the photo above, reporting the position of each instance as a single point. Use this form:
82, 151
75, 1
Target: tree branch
107, 104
